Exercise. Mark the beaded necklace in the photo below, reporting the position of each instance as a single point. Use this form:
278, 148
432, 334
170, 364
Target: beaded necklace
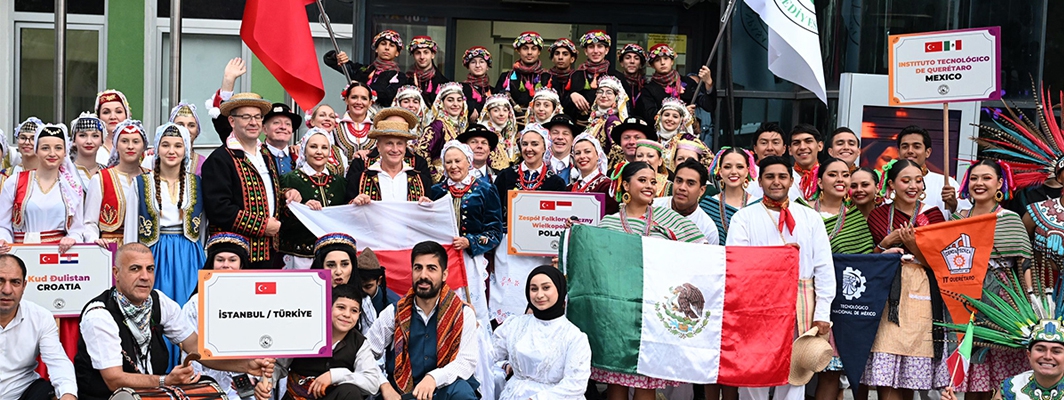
840, 219
535, 183
724, 222
912, 219
648, 217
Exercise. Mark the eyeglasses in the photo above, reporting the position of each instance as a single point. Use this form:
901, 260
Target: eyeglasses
248, 117
25, 139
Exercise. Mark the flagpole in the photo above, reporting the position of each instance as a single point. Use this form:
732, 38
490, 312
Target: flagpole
332, 36
945, 144
724, 20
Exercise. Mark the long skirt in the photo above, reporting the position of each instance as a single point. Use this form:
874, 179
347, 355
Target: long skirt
177, 264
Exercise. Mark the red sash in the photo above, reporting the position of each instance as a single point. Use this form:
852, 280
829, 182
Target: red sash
21, 188
113, 204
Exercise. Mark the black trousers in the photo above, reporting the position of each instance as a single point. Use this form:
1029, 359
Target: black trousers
40, 389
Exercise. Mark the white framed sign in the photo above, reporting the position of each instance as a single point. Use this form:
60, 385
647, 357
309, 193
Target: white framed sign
945, 66
251, 314
64, 282
537, 219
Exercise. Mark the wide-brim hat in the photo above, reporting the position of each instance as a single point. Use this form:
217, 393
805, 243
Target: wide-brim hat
811, 353
563, 120
409, 117
478, 130
282, 109
244, 100
399, 129
630, 124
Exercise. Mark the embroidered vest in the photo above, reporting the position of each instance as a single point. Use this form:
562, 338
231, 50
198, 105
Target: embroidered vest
148, 213
370, 184
254, 195
18, 207
113, 205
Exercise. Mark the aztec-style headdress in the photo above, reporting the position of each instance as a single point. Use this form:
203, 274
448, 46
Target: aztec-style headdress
1030, 147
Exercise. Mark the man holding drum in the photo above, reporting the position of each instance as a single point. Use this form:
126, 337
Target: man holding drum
122, 333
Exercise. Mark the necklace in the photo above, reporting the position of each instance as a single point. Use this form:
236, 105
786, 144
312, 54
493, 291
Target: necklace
840, 219
459, 193
912, 219
648, 217
724, 220
584, 188
534, 183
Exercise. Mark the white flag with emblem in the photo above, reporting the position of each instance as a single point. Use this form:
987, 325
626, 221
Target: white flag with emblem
793, 42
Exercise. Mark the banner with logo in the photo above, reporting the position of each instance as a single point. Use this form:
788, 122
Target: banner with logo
862, 286
958, 252
945, 66
64, 282
537, 219
249, 314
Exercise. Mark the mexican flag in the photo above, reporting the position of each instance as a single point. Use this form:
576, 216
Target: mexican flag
683, 311
960, 359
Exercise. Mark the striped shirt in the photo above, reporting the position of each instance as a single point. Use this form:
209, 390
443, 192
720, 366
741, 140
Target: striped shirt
853, 237
667, 224
711, 205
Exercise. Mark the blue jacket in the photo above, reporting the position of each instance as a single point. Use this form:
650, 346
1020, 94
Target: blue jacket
481, 215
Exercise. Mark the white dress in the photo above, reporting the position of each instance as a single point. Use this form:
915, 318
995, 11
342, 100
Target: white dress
550, 359
94, 200
43, 211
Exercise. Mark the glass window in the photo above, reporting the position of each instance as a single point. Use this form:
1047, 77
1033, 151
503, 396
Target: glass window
92, 7
1021, 41
35, 74
203, 58
206, 9
408, 27
646, 40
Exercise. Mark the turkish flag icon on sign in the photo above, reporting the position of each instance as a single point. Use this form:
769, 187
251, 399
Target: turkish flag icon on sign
546, 205
49, 258
265, 287
931, 47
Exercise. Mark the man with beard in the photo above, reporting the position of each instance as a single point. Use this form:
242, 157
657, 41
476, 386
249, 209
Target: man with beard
424, 73
431, 332
774, 222
688, 186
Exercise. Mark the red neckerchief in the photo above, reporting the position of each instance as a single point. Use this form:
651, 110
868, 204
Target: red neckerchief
534, 69
786, 218
670, 81
808, 181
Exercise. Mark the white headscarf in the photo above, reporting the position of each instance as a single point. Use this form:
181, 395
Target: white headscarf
122, 128
609, 82
537, 128
603, 162
186, 138
301, 163
411, 91
454, 144
686, 125
69, 182
545, 94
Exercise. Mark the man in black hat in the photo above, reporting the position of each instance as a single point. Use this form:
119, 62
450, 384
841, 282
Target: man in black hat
481, 140
626, 134
562, 131
280, 123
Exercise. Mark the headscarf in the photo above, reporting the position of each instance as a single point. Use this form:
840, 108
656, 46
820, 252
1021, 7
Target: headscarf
171, 129
462, 120
692, 145
110, 95
69, 182
411, 91
686, 125
603, 162
558, 279
498, 100
128, 126
454, 144
537, 128
549, 95
621, 106
301, 163
184, 109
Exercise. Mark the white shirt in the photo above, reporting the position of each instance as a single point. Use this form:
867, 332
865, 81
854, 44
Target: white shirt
42, 211
756, 225
264, 174
364, 374
279, 153
224, 378
392, 188
699, 217
551, 360
31, 333
933, 184
94, 201
100, 332
756, 193
380, 338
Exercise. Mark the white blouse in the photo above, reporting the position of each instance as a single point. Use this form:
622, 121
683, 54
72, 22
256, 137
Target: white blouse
94, 200
43, 211
550, 359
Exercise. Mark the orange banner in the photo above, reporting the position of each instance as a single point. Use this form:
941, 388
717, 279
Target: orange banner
958, 252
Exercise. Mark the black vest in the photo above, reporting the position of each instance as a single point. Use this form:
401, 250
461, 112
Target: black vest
344, 355
91, 385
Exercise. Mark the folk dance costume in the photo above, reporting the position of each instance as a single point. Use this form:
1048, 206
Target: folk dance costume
550, 357
441, 342
408, 185
1048, 219
671, 138
561, 81
547, 94
184, 109
602, 121
430, 79
244, 190
481, 131
327, 188
906, 355
505, 153
353, 136
847, 229
721, 212
352, 369
664, 185
110, 192
705, 224
597, 181
29, 126
757, 225
523, 81
104, 97
380, 75
521, 177
31, 214
85, 122
476, 88
443, 129
672, 85
423, 117
588, 77
637, 80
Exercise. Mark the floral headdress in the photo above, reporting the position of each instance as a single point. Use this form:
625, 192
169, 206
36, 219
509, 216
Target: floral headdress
563, 43
389, 35
422, 42
634, 49
595, 36
661, 50
529, 37
474, 52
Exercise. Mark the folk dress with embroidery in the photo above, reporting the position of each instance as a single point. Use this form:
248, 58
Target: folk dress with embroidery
106, 203
326, 188
352, 136
26, 208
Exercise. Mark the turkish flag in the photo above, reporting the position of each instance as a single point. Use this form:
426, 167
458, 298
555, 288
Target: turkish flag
931, 47
265, 287
49, 258
278, 32
546, 205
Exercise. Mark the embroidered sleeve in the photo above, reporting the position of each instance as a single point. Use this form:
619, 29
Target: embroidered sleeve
249, 224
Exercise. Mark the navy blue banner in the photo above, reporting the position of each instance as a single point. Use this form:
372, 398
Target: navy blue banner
863, 284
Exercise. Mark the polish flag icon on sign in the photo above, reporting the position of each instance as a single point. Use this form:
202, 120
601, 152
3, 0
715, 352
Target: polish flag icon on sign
49, 258
265, 287
548, 205
563, 205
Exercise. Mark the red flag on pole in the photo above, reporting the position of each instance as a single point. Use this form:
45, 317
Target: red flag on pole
278, 32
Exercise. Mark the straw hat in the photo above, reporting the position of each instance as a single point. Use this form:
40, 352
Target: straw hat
399, 129
244, 100
810, 354
409, 117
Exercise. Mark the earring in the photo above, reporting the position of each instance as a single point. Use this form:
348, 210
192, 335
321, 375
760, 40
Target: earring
625, 198
923, 195
891, 195
999, 196
746, 184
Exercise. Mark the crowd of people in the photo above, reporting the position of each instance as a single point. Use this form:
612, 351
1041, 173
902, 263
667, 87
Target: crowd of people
419, 137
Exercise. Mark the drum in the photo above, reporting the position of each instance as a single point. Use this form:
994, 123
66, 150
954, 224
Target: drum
196, 391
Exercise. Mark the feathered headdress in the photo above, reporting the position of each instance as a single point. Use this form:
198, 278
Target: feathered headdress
1030, 147
1015, 320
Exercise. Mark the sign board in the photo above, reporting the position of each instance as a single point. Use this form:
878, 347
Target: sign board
250, 314
64, 282
945, 66
537, 219
677, 42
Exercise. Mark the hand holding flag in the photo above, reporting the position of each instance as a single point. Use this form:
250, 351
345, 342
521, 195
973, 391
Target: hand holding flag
960, 359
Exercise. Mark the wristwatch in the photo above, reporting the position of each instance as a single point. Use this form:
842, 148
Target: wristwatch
162, 380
